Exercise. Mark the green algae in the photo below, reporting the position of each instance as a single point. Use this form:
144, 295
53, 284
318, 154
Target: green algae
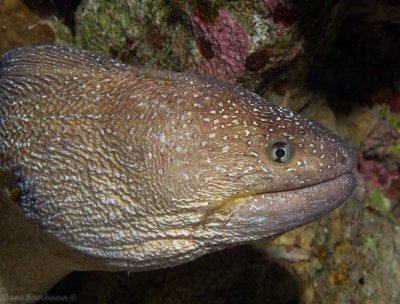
381, 204
394, 120
377, 201
159, 32
372, 245
139, 31
395, 149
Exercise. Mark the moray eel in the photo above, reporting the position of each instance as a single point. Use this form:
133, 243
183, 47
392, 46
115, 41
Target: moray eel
119, 167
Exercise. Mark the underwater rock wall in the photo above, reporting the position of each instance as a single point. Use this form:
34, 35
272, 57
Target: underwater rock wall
332, 61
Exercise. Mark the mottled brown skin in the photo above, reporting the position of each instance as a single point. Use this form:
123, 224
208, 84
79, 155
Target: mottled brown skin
110, 167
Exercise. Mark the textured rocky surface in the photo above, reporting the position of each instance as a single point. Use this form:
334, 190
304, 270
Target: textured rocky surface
19, 26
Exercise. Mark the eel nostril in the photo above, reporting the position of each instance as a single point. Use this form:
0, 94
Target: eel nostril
342, 159
346, 159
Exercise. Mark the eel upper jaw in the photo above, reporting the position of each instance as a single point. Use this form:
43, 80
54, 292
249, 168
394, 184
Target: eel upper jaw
284, 210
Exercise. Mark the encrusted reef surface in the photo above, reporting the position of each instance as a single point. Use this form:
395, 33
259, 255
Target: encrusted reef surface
19, 26
334, 61
222, 39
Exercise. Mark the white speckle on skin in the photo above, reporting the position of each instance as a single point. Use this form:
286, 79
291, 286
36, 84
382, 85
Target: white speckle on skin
249, 169
225, 149
162, 138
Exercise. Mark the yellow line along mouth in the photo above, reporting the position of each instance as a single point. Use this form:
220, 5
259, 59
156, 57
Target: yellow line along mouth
223, 203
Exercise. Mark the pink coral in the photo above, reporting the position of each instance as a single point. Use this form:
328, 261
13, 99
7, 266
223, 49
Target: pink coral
380, 168
223, 44
376, 174
386, 95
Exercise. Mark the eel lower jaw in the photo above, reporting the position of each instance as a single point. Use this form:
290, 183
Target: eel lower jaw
277, 212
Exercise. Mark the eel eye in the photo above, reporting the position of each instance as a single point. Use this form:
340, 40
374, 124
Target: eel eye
280, 151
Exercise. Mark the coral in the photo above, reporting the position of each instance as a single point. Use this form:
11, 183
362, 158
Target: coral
232, 41
378, 142
154, 33
223, 44
304, 54
282, 14
388, 96
379, 164
376, 174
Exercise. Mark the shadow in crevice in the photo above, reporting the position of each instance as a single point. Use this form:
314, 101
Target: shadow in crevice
239, 275
361, 61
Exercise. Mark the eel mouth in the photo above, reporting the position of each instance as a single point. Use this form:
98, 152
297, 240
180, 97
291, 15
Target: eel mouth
324, 182
294, 207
